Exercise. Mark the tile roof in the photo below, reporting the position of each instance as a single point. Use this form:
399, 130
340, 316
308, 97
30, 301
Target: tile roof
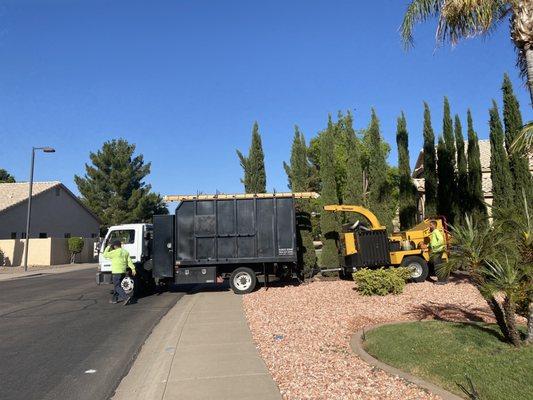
12, 194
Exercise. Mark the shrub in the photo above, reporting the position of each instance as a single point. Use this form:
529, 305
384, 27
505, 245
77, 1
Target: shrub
75, 246
381, 281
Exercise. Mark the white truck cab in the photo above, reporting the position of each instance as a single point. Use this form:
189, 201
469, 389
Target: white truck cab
135, 238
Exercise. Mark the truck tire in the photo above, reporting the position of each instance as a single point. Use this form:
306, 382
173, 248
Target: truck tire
242, 280
418, 265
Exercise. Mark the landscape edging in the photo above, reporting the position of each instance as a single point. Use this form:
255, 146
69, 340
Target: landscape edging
356, 343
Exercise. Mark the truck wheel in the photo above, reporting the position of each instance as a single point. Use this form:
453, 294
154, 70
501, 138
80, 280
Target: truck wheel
418, 265
242, 280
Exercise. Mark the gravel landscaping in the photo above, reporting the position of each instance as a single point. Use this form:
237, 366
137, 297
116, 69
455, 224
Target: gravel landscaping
303, 334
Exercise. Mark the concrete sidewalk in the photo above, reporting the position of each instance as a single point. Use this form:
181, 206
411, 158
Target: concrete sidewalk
7, 273
202, 349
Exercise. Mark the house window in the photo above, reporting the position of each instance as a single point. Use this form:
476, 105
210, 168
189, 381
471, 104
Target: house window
23, 236
67, 235
43, 235
94, 235
13, 235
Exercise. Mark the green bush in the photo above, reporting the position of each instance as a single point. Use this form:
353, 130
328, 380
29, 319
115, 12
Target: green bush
381, 281
75, 246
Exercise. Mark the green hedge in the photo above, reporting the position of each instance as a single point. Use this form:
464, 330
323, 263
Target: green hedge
381, 281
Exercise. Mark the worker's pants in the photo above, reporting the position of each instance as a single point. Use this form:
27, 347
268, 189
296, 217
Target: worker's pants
436, 259
119, 294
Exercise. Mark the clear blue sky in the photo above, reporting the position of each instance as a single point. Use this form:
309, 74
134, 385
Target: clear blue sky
184, 81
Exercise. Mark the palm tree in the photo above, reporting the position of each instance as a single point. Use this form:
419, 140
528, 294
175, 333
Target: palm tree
460, 19
505, 278
475, 245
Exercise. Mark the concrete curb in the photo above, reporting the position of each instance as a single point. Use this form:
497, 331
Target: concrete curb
356, 343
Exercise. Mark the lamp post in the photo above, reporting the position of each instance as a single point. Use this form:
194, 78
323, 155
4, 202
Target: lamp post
27, 242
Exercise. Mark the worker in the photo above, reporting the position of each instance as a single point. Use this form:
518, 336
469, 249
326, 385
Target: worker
436, 249
120, 262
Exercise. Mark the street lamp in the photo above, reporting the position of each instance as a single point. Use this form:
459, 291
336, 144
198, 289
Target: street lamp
27, 243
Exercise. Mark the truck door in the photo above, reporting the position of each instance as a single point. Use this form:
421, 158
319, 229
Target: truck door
163, 246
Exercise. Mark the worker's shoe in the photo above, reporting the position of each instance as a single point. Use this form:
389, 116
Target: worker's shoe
113, 301
128, 300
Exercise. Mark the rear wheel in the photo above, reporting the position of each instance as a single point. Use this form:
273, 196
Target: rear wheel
243, 280
418, 265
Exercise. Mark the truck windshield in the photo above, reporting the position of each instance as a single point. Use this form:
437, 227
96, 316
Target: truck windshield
126, 236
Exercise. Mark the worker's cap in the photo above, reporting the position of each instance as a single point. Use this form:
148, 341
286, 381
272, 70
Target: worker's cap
116, 243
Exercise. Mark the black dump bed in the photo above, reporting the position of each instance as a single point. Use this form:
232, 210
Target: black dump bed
235, 231
227, 232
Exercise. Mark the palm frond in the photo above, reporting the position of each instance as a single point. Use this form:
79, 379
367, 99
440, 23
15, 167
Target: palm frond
457, 19
523, 144
417, 11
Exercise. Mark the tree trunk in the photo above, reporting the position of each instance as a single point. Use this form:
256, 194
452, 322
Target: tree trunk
529, 338
500, 317
509, 309
529, 66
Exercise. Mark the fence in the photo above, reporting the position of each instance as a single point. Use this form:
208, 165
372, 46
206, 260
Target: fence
49, 251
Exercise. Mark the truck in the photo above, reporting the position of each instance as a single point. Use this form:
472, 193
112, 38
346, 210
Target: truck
213, 238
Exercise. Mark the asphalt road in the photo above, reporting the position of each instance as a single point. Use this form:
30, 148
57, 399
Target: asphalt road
61, 339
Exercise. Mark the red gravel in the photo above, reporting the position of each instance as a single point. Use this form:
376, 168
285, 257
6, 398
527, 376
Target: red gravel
303, 334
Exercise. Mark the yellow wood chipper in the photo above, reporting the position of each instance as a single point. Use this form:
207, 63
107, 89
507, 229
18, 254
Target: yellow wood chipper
368, 245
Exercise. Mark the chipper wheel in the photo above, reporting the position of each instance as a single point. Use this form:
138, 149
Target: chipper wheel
243, 280
418, 265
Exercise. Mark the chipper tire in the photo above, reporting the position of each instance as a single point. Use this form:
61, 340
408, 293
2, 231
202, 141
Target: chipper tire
242, 280
420, 267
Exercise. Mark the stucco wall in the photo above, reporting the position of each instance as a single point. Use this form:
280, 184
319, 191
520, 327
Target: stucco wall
50, 251
51, 214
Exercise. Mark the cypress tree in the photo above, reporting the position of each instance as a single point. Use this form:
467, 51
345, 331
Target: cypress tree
378, 187
462, 173
407, 195
446, 190
445, 173
298, 173
254, 165
476, 200
500, 174
328, 195
353, 192
519, 165
430, 171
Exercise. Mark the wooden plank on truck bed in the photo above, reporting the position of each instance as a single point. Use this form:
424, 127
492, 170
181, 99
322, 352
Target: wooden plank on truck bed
298, 195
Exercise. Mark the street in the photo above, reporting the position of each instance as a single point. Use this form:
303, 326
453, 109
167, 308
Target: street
61, 339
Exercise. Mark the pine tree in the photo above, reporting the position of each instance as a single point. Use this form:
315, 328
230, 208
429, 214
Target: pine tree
379, 199
298, 173
446, 186
462, 173
6, 177
353, 191
254, 165
430, 166
475, 191
500, 173
512, 117
407, 195
113, 186
328, 220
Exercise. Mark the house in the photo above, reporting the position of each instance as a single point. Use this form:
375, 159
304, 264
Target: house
55, 213
486, 181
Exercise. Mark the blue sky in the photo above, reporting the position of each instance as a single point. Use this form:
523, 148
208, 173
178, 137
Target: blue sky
185, 80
